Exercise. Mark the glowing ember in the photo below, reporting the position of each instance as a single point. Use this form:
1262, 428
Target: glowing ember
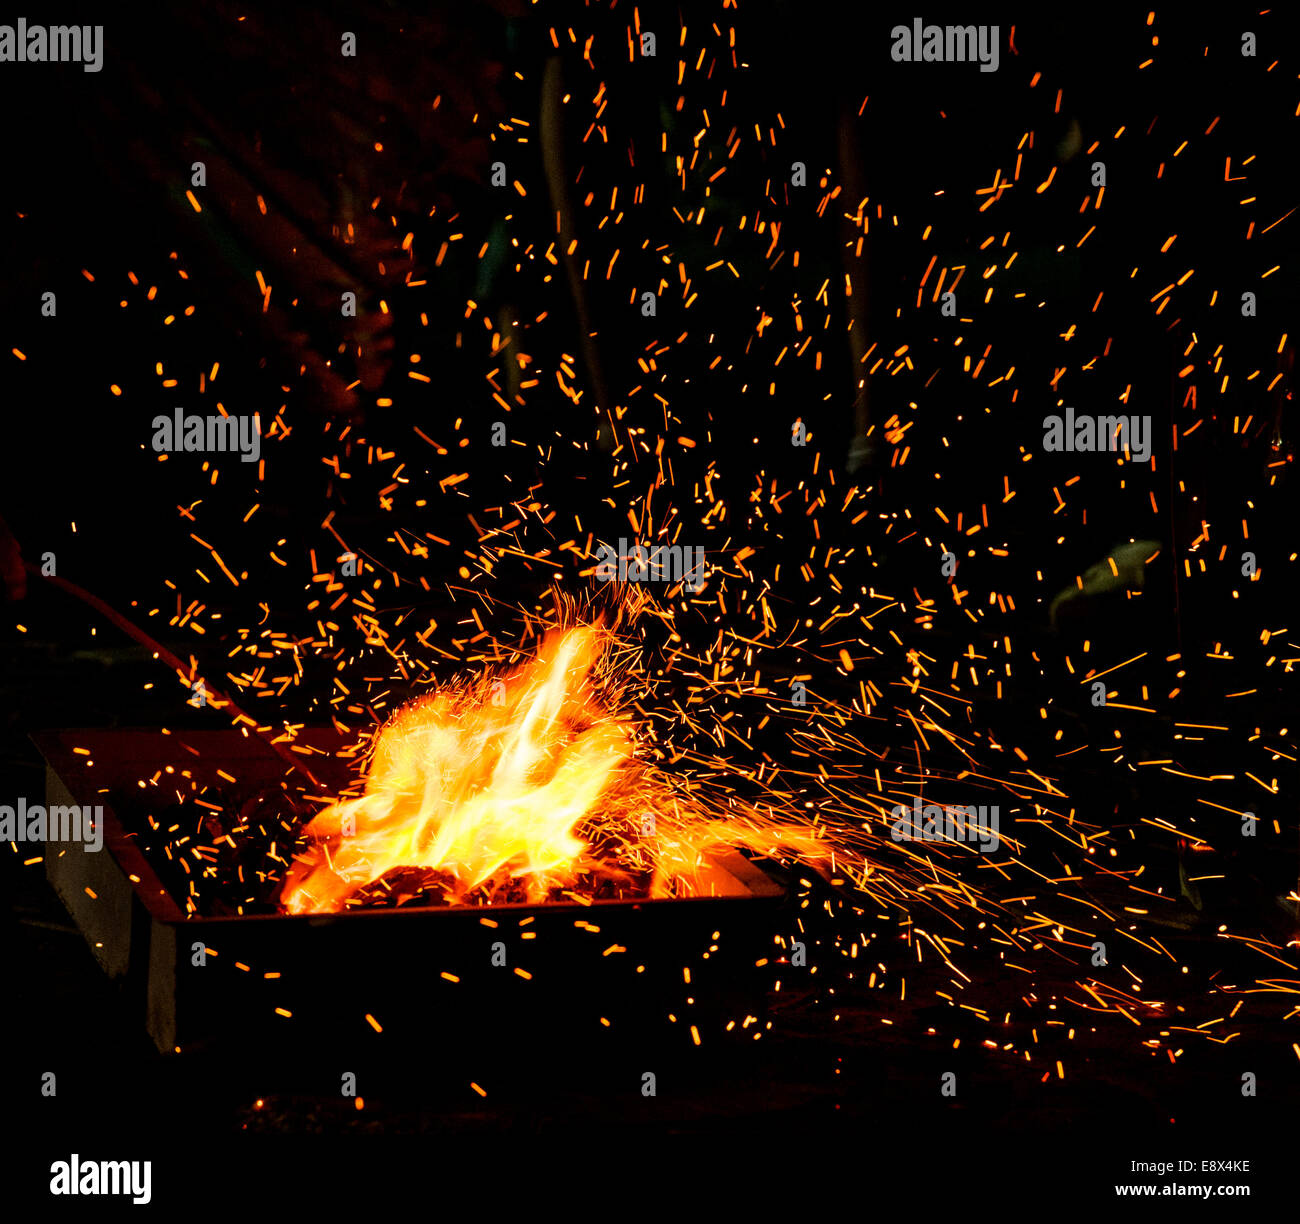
524, 787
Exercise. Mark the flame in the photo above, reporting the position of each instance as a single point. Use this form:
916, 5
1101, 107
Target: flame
524, 784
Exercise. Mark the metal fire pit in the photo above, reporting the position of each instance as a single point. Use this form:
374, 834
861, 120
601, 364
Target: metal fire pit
403, 978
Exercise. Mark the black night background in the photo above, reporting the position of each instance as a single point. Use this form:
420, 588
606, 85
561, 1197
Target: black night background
869, 283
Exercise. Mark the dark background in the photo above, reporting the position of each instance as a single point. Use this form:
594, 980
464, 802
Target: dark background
97, 166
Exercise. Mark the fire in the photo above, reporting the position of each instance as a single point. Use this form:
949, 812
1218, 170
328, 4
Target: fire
525, 787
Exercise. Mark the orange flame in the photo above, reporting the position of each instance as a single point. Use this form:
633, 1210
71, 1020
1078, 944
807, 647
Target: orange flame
525, 784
